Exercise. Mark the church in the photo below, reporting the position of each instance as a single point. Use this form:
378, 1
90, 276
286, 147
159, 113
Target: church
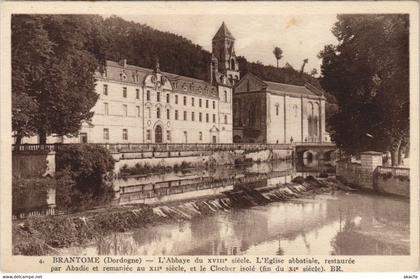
272, 112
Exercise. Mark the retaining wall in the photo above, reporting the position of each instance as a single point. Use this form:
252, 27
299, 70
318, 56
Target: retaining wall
33, 164
377, 180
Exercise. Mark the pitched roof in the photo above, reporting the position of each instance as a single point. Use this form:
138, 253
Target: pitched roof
223, 32
306, 90
136, 74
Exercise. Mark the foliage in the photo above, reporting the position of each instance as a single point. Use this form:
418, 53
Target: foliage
64, 190
54, 58
278, 53
140, 169
285, 74
91, 169
368, 74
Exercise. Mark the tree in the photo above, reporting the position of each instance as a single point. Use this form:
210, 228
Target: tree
305, 61
53, 64
368, 74
314, 72
278, 53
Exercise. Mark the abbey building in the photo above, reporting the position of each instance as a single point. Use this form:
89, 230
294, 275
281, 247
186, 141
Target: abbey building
140, 105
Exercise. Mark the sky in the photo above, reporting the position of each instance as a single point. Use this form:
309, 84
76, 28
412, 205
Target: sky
299, 36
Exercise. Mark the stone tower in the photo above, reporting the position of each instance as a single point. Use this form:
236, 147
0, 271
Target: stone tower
223, 48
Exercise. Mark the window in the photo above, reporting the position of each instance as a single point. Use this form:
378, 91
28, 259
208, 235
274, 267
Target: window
200, 117
176, 114
138, 111
185, 100
226, 96
277, 109
226, 119
125, 110
106, 89
106, 109
200, 136
148, 134
148, 95
125, 92
168, 114
214, 105
207, 103
149, 113
192, 101
185, 115
192, 116
295, 110
176, 99
158, 97
167, 98
125, 134
207, 117
214, 118
106, 134
137, 93
158, 113
199, 103
168, 135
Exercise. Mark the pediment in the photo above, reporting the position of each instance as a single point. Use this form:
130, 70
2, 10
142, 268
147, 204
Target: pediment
250, 83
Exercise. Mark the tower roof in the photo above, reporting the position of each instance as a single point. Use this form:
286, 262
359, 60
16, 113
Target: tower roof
223, 32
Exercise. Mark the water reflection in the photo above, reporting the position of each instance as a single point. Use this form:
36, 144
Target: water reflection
335, 224
338, 224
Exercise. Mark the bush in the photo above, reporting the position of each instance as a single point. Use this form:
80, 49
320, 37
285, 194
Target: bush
85, 173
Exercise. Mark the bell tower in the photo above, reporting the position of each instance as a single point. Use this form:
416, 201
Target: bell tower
223, 48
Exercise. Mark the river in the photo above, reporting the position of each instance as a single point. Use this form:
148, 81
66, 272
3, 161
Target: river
338, 223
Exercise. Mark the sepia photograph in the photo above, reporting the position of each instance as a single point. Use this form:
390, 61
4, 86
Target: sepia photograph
140, 134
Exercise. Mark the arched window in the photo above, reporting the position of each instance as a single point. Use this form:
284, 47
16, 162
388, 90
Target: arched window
277, 109
295, 110
158, 113
148, 95
315, 128
232, 64
226, 97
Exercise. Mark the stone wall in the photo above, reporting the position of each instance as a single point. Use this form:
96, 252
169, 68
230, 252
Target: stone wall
354, 174
388, 182
33, 164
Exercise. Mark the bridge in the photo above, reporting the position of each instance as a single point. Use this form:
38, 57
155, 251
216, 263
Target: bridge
318, 150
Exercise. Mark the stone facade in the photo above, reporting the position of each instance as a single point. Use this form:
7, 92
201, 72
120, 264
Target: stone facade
270, 112
140, 105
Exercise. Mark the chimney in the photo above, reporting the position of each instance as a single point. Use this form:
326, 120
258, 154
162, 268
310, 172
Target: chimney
123, 63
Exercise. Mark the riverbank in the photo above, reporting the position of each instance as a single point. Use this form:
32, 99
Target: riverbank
45, 235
